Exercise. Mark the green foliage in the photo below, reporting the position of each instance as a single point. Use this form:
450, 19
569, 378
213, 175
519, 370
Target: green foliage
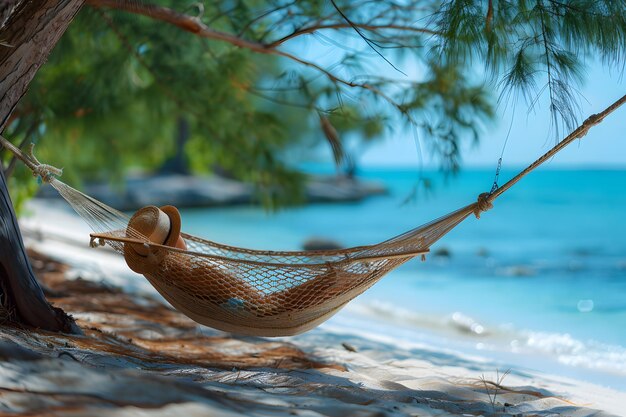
115, 107
530, 47
112, 94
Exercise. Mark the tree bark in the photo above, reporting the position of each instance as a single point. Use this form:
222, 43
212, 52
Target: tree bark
28, 36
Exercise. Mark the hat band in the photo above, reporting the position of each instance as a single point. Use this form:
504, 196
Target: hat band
162, 229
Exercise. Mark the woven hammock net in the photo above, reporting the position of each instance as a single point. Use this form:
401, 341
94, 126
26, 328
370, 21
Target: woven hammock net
268, 293
253, 292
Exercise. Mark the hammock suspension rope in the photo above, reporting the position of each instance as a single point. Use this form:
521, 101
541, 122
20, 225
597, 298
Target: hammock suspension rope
255, 292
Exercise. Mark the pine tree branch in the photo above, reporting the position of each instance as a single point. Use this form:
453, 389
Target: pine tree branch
264, 15
489, 16
547, 51
162, 85
193, 25
373, 45
334, 26
181, 20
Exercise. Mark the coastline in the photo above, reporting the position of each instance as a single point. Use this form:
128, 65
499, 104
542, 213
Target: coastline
187, 191
336, 368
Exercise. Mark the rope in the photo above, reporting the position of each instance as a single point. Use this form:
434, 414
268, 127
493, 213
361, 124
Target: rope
578, 133
265, 293
44, 172
482, 204
495, 186
485, 200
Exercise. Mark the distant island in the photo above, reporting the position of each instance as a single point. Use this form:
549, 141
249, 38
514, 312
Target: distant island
185, 191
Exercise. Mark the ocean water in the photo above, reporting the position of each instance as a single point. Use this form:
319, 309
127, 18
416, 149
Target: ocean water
538, 282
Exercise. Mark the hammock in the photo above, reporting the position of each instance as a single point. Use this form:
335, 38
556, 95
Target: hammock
252, 292
265, 293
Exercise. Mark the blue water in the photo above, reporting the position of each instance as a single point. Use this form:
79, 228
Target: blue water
542, 274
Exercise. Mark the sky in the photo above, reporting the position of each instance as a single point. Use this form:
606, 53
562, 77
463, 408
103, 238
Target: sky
531, 133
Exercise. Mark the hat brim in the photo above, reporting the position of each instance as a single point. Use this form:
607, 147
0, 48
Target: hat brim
175, 225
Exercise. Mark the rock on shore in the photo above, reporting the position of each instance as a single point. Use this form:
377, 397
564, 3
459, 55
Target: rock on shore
194, 191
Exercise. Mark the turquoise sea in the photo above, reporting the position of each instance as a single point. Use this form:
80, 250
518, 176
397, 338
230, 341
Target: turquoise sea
538, 282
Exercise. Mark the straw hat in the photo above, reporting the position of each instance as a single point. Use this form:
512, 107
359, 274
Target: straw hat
157, 225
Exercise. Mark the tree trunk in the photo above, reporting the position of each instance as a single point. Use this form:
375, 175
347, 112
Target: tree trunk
178, 164
28, 36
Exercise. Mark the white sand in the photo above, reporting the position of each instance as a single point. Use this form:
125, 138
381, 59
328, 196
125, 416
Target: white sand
383, 377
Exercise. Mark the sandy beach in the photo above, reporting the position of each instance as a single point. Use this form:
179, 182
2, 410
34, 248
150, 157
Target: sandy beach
139, 357
390, 136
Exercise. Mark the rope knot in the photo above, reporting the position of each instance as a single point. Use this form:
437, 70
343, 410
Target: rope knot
482, 204
45, 172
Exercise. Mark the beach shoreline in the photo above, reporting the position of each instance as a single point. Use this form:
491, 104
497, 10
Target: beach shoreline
138, 354
133, 338
192, 191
